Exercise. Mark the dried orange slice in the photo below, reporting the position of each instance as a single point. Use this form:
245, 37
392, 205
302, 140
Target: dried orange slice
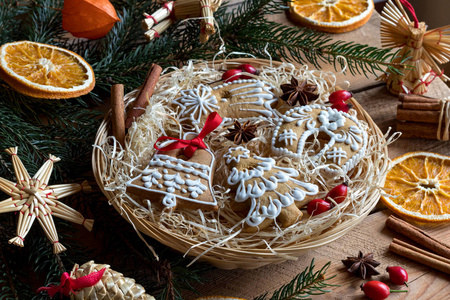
45, 71
419, 183
334, 16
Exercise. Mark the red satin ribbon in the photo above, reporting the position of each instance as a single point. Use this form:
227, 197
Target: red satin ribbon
71, 285
212, 122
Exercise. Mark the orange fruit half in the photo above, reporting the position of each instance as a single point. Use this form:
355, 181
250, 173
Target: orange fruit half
45, 71
335, 16
419, 185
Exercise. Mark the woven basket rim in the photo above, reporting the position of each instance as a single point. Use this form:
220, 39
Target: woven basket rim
230, 258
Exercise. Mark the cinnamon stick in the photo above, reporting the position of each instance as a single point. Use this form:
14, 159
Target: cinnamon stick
118, 113
417, 130
420, 106
416, 98
418, 235
424, 116
144, 95
421, 256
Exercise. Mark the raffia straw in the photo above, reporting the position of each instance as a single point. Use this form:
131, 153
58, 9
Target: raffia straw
156, 17
19, 169
424, 49
64, 190
26, 219
14, 204
159, 28
8, 186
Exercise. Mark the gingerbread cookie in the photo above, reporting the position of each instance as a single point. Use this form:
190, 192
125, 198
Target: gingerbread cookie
337, 137
269, 191
177, 182
240, 99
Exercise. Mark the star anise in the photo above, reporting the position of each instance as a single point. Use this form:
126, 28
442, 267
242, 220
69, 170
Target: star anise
298, 92
241, 132
363, 265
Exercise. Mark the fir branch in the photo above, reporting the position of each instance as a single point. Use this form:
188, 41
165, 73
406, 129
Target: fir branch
305, 284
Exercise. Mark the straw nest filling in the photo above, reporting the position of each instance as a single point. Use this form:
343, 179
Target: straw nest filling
224, 227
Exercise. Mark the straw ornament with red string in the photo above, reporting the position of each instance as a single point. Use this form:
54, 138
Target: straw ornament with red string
421, 51
35, 200
96, 281
159, 21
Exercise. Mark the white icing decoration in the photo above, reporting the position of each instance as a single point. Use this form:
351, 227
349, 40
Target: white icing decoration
248, 189
288, 136
336, 154
230, 158
173, 182
329, 121
196, 103
195, 187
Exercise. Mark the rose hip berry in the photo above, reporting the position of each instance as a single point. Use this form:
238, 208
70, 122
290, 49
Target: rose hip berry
397, 275
376, 290
317, 206
248, 69
339, 96
342, 106
231, 75
338, 193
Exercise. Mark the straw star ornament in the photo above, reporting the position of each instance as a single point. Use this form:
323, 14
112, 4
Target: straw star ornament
34, 199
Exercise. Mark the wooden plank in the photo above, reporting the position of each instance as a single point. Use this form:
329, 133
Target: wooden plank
370, 236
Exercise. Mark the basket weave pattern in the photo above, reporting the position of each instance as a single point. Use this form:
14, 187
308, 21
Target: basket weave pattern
247, 258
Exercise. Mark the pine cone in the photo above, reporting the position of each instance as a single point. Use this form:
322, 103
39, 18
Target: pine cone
113, 285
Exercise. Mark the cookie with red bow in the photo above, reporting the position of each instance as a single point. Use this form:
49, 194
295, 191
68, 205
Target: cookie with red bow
179, 175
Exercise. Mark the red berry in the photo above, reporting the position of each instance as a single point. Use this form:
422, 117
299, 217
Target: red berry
375, 290
339, 96
231, 75
397, 275
317, 206
338, 193
342, 106
249, 69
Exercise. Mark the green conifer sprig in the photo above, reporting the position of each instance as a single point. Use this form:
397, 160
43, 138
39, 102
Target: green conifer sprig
305, 284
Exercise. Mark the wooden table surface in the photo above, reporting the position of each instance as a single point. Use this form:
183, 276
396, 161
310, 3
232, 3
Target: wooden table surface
369, 236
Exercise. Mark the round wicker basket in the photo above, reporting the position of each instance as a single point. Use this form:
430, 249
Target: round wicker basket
231, 258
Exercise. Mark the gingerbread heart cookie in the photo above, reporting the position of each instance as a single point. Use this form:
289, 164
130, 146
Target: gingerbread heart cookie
334, 138
177, 182
240, 99
268, 191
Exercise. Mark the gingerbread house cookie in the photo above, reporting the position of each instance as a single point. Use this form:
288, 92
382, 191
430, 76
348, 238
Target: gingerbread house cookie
269, 192
335, 139
240, 99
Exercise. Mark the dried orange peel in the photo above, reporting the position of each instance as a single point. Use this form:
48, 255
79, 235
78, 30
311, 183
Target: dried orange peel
45, 71
335, 16
419, 187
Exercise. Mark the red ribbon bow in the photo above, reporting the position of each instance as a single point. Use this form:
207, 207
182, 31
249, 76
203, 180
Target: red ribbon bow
70, 285
212, 122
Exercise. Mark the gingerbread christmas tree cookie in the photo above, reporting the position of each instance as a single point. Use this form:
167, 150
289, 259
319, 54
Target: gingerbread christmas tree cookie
332, 138
240, 99
266, 190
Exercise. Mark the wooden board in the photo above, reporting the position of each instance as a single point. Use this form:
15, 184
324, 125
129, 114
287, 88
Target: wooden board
370, 237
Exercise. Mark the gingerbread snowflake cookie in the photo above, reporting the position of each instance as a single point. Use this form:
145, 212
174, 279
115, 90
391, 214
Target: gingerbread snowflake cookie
175, 181
336, 139
269, 192
240, 99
